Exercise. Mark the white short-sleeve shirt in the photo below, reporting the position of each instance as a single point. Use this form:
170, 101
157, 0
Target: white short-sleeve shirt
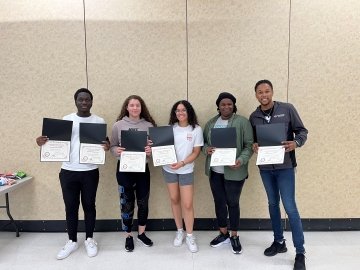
74, 164
185, 139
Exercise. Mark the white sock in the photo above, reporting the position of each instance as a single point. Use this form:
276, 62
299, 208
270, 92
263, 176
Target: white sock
189, 235
180, 230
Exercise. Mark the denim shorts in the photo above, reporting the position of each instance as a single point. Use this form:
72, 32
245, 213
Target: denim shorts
182, 179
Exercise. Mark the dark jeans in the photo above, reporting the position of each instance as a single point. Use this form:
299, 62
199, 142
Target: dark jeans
76, 185
281, 183
133, 185
226, 195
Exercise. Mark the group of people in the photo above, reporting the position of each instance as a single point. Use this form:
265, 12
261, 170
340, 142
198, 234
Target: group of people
80, 181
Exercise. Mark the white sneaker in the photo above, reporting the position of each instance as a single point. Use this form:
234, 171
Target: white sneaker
190, 241
91, 247
179, 238
69, 248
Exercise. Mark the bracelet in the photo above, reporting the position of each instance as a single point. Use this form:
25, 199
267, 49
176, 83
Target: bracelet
183, 163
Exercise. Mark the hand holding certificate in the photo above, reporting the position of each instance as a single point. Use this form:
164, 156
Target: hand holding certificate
223, 157
163, 149
54, 150
58, 132
163, 155
224, 139
133, 159
270, 138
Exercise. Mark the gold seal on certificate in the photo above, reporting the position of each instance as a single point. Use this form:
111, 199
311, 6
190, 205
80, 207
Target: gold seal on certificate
163, 155
132, 161
92, 153
270, 155
223, 157
54, 150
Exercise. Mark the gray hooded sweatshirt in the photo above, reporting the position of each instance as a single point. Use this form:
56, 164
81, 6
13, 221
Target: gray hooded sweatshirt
126, 124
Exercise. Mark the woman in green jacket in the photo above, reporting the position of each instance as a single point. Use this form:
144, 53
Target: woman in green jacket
226, 182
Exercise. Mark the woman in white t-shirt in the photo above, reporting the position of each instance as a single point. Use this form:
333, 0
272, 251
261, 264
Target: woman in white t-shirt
188, 139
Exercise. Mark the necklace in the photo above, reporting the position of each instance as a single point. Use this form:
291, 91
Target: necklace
268, 115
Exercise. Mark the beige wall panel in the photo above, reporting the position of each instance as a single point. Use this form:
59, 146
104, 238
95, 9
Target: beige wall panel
41, 64
232, 45
136, 47
324, 86
40, 10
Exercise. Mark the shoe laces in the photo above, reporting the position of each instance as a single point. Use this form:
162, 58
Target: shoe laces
276, 245
91, 242
179, 235
68, 244
191, 239
236, 241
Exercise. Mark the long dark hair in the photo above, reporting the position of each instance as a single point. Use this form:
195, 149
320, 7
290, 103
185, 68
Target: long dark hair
144, 110
192, 118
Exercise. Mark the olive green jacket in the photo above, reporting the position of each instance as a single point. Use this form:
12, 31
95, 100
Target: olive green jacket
244, 141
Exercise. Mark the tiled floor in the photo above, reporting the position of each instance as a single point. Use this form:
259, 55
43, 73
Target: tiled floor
325, 250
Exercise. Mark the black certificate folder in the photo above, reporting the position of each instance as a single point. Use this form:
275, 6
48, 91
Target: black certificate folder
92, 133
223, 137
161, 136
56, 129
270, 134
134, 140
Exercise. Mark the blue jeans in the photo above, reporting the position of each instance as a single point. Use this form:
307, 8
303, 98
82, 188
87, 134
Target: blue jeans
282, 183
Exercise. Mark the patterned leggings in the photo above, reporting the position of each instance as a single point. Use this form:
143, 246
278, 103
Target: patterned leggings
133, 185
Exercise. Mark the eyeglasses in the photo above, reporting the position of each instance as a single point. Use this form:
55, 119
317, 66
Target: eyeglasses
181, 111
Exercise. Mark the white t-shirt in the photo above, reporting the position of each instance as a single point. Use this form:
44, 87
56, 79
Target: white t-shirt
220, 123
74, 164
185, 139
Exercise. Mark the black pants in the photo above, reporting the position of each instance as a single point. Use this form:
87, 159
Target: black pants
226, 195
133, 185
76, 185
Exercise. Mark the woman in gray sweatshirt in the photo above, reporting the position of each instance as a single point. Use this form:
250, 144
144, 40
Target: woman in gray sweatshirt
134, 115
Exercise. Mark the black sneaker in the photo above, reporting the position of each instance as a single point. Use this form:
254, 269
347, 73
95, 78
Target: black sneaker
235, 244
220, 239
275, 248
299, 262
129, 243
145, 240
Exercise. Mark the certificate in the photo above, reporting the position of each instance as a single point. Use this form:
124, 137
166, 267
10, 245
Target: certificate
54, 150
270, 155
223, 157
57, 148
92, 153
163, 155
132, 161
